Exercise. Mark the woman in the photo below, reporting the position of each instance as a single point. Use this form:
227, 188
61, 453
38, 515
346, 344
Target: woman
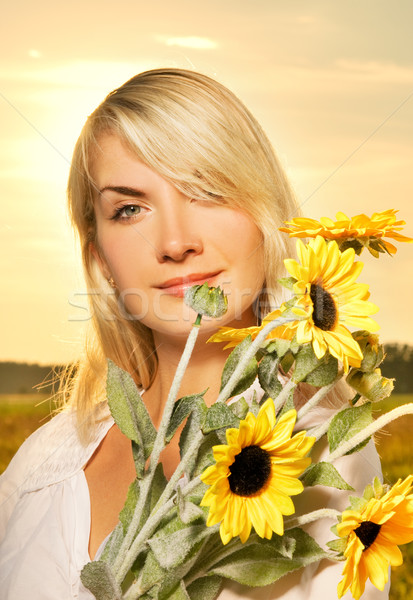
172, 183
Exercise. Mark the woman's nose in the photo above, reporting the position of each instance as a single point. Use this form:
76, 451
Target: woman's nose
178, 233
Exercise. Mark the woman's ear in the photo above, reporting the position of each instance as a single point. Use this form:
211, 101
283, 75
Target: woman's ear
100, 261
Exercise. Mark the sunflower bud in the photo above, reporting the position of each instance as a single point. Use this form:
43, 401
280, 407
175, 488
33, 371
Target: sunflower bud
373, 353
372, 385
205, 300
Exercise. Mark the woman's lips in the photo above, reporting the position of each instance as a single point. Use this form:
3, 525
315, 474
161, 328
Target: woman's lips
178, 285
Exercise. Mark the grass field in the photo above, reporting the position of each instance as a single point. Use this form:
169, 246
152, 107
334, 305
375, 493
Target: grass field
21, 414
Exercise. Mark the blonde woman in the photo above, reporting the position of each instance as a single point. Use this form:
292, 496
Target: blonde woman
173, 182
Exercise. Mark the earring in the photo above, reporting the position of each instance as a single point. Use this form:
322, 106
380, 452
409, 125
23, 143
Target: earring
112, 283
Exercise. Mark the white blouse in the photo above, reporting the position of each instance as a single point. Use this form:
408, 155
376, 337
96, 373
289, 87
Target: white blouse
45, 519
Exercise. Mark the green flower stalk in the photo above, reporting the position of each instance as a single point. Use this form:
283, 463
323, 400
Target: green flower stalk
361, 436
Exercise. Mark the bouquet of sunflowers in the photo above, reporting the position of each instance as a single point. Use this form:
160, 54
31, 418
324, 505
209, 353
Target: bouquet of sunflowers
227, 511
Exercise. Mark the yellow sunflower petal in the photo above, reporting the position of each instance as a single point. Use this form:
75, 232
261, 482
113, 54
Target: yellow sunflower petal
261, 499
379, 225
371, 550
377, 568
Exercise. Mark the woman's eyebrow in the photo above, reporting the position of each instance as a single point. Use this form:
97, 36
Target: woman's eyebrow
125, 191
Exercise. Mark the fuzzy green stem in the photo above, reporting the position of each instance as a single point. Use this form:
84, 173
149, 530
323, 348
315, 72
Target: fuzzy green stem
322, 513
283, 395
318, 396
400, 411
159, 444
251, 351
320, 430
157, 449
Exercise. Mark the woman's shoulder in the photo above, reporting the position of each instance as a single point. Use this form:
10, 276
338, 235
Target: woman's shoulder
53, 452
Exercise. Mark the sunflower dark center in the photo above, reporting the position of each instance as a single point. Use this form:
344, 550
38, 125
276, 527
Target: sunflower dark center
367, 533
324, 311
249, 471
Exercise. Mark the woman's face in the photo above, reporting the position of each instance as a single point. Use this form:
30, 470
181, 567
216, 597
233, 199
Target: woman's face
155, 242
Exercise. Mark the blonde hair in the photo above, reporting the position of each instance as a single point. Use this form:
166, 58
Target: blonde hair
199, 136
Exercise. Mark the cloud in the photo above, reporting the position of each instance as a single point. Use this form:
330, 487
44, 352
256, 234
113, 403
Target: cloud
33, 53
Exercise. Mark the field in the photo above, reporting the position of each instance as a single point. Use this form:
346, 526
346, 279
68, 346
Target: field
21, 414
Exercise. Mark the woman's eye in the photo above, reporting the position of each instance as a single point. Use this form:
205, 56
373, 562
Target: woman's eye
126, 212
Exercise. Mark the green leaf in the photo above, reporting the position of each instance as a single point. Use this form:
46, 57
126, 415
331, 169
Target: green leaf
113, 544
305, 363
268, 375
354, 243
284, 545
338, 545
358, 447
159, 482
368, 493
130, 413
197, 493
166, 580
347, 423
294, 346
249, 374
325, 374
287, 282
179, 593
188, 512
172, 547
152, 573
126, 514
205, 588
324, 473
254, 405
261, 564
254, 565
378, 488
378, 246
240, 407
306, 548
205, 455
357, 503
218, 416
182, 409
287, 362
99, 578
282, 347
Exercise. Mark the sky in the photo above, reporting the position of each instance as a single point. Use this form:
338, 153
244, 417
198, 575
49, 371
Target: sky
330, 82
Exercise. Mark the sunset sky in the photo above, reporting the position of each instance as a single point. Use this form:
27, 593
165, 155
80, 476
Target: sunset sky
330, 82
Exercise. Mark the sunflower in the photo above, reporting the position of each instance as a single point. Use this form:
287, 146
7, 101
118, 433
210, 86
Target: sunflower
328, 298
373, 536
235, 336
255, 474
358, 231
